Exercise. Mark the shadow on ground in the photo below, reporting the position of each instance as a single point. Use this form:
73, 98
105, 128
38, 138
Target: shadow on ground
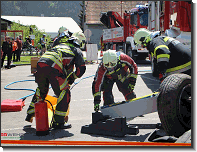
150, 81
30, 134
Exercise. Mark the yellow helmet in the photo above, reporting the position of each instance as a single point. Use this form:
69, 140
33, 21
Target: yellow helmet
63, 31
140, 35
80, 38
143, 36
110, 59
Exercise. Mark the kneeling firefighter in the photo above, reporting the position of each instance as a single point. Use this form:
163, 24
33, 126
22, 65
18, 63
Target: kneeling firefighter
56, 67
114, 67
169, 54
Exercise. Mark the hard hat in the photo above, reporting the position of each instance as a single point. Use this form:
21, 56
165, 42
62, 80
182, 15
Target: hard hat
63, 31
80, 38
143, 36
110, 59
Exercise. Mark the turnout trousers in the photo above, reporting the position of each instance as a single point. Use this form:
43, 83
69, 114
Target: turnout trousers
47, 75
124, 87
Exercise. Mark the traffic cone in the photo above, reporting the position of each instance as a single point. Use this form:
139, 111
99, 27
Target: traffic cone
101, 54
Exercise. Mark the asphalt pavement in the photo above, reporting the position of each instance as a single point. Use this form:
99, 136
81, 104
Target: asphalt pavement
81, 107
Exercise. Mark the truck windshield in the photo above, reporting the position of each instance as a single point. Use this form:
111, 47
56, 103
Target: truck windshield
144, 19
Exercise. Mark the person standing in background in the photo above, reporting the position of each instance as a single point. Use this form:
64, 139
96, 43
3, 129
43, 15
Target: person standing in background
20, 38
43, 43
19, 49
14, 48
7, 50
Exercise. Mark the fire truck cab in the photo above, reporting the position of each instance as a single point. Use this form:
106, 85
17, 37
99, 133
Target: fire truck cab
120, 32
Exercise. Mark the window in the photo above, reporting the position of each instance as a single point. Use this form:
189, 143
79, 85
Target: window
134, 19
144, 19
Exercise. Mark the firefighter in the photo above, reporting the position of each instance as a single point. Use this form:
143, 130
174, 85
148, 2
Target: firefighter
56, 67
114, 67
169, 54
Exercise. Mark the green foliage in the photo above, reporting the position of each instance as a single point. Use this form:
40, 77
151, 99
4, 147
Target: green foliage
26, 32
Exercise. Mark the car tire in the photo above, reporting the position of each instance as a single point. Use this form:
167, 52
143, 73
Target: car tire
132, 54
174, 104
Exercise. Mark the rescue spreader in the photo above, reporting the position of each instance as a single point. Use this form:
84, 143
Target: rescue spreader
133, 108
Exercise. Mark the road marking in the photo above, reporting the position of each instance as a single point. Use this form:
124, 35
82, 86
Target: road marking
17, 128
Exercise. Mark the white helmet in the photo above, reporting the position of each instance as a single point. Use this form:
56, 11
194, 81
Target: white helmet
79, 39
63, 31
143, 36
110, 59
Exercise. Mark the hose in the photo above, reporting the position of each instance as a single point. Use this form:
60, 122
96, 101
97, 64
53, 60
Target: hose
75, 83
20, 88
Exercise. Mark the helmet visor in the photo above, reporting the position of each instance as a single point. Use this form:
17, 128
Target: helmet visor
110, 66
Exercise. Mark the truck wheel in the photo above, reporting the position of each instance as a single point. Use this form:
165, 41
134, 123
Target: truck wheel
132, 54
141, 57
174, 104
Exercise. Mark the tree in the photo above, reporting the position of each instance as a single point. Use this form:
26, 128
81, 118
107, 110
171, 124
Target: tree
82, 17
26, 32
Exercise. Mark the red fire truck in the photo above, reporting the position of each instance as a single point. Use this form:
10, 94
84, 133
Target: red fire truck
173, 19
120, 32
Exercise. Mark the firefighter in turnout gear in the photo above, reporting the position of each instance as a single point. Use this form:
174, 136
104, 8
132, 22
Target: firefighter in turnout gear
114, 67
167, 53
56, 67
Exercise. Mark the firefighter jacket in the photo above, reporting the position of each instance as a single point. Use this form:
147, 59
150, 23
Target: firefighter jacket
64, 57
170, 55
125, 68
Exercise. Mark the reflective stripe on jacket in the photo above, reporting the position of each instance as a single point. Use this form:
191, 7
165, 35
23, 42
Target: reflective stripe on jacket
170, 52
65, 57
126, 68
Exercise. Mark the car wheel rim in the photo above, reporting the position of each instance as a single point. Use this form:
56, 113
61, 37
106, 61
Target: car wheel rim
185, 106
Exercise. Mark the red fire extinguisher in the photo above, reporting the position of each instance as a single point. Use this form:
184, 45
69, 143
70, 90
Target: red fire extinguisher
41, 116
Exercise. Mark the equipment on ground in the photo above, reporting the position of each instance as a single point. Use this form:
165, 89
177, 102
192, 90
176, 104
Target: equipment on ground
130, 109
172, 101
9, 105
41, 116
34, 61
105, 125
44, 112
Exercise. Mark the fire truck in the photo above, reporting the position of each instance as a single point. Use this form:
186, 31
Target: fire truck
120, 31
173, 19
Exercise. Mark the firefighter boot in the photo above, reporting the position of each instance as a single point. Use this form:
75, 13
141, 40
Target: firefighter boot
29, 118
66, 119
56, 125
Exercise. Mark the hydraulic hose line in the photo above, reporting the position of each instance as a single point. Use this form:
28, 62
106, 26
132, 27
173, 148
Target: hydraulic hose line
75, 83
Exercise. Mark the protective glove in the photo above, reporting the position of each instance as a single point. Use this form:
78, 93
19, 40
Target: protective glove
71, 79
161, 77
96, 107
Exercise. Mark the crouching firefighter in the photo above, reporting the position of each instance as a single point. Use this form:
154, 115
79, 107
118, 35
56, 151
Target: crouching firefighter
56, 67
167, 53
114, 67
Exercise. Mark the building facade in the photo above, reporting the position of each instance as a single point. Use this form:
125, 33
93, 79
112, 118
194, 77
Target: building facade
94, 9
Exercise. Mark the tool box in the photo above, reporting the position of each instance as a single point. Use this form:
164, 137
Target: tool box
34, 61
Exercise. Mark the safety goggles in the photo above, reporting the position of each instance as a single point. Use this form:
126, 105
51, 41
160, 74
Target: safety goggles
110, 66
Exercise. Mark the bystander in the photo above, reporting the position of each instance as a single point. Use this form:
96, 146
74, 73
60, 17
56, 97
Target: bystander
7, 50
14, 48
19, 48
